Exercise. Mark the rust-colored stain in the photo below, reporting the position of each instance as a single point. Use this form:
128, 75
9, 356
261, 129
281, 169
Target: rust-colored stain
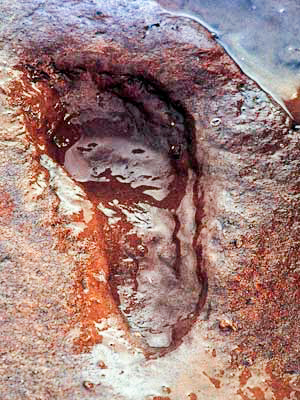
257, 393
245, 376
87, 307
282, 387
6, 206
243, 395
161, 398
216, 382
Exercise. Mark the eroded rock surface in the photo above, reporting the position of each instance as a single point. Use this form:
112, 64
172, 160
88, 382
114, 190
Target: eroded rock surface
165, 184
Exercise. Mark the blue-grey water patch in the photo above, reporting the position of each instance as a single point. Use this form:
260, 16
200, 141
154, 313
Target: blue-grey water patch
262, 36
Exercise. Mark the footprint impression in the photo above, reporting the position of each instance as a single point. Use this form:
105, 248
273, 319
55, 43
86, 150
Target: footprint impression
133, 151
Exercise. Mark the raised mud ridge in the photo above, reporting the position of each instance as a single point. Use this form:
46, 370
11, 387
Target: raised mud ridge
132, 149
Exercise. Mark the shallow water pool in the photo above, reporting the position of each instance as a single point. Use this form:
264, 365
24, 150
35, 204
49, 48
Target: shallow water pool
262, 36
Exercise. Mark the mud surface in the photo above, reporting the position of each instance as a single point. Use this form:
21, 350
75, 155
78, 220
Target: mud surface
150, 212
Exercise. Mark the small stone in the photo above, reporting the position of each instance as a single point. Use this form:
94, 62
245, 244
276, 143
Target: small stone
88, 385
227, 324
166, 389
215, 122
102, 365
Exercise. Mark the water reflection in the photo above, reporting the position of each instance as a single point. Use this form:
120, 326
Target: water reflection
261, 35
